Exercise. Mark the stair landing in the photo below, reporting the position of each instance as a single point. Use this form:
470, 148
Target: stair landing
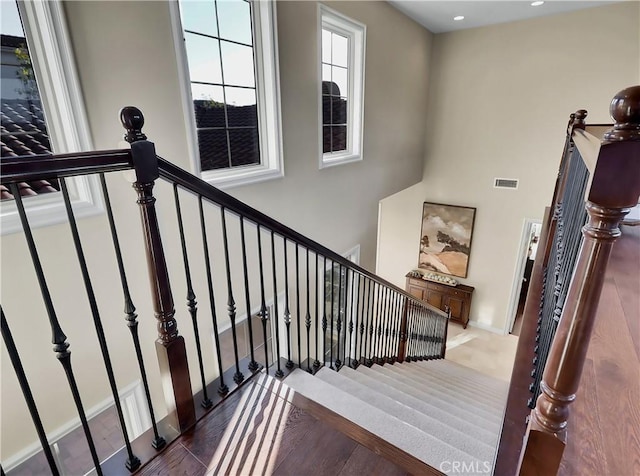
262, 430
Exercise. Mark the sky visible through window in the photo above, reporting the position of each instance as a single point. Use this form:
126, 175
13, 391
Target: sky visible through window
220, 54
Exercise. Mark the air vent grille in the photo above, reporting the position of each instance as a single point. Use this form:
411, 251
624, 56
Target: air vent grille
505, 183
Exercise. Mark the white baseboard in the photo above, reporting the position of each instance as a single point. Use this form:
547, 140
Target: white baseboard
486, 327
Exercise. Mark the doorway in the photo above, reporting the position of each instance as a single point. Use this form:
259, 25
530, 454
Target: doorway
527, 254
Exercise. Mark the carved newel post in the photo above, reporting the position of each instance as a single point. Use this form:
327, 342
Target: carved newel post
614, 189
170, 346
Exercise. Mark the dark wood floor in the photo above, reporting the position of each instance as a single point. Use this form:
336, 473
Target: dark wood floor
259, 431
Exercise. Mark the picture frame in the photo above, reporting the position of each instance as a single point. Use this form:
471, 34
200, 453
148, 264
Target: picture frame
446, 234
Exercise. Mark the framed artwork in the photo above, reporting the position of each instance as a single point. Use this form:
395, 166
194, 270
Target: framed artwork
445, 238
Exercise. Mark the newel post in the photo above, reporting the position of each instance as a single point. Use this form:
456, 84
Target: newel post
615, 188
170, 346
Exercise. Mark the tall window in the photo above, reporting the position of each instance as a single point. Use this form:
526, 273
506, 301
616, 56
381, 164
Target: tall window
42, 109
231, 78
342, 44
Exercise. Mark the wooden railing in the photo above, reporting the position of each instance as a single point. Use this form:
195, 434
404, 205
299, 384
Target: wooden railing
333, 313
598, 183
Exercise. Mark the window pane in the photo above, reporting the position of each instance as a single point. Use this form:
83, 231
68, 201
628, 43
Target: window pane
338, 138
237, 62
204, 58
340, 50
326, 109
339, 110
199, 16
326, 75
326, 46
235, 20
241, 107
340, 77
245, 149
208, 103
214, 152
326, 139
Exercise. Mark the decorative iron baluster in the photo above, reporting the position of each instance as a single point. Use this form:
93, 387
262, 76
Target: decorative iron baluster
222, 388
264, 313
348, 359
387, 321
253, 365
279, 372
339, 318
307, 318
372, 288
191, 301
58, 337
298, 306
324, 312
238, 377
26, 391
287, 313
364, 318
130, 315
356, 326
133, 462
316, 363
331, 315
378, 329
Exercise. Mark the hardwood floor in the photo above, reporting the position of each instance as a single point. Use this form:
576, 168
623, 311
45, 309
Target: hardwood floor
260, 431
604, 424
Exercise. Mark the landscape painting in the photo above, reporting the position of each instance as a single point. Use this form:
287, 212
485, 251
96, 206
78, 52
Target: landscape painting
445, 238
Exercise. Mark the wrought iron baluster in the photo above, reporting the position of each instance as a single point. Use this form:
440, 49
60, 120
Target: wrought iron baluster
324, 311
133, 462
58, 339
316, 363
298, 306
264, 313
348, 359
26, 392
253, 365
339, 318
238, 377
331, 315
130, 314
222, 388
364, 321
356, 326
279, 372
191, 302
378, 327
372, 288
287, 313
387, 323
307, 319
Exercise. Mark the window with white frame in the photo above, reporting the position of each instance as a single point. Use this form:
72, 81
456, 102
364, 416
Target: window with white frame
230, 77
342, 50
42, 110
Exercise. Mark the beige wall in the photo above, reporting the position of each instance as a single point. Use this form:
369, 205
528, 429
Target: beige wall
125, 55
499, 102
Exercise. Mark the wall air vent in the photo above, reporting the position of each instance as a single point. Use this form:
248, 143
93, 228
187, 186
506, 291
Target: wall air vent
505, 183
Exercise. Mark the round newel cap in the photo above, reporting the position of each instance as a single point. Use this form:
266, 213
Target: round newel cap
132, 120
625, 111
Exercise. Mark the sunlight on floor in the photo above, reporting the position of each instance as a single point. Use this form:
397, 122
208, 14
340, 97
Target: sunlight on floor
252, 439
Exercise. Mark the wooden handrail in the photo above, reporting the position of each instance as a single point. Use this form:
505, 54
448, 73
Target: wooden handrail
40, 167
614, 189
197, 186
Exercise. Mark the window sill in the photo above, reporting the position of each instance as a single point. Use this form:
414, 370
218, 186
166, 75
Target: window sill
230, 179
330, 161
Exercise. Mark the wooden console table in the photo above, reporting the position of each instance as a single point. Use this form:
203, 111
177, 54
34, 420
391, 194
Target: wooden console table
457, 298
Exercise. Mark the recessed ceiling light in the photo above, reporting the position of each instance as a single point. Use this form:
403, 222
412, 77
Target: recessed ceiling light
458, 18
536, 4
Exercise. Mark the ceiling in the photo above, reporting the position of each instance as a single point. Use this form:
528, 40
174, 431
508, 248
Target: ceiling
437, 16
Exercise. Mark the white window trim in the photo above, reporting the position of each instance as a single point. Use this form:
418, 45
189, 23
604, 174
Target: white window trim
67, 126
268, 100
357, 33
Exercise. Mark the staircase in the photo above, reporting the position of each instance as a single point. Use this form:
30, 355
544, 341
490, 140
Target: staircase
444, 414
